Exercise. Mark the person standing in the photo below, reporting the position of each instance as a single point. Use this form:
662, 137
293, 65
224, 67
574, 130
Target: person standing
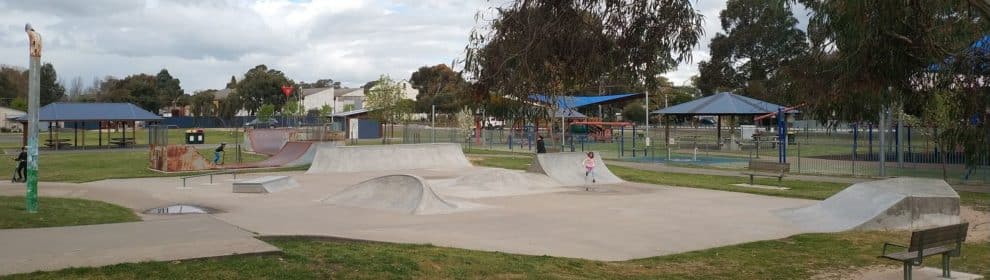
21, 165
218, 153
589, 167
541, 148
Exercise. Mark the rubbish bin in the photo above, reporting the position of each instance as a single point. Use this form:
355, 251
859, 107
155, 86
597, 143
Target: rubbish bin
195, 136
791, 138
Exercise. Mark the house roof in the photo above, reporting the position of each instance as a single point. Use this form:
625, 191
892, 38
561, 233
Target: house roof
93, 112
222, 94
351, 113
722, 104
581, 101
311, 91
344, 91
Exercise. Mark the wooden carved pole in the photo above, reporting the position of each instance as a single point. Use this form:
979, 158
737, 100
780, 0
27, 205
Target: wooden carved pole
34, 92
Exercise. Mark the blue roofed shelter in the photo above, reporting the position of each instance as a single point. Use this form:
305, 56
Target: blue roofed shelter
722, 104
105, 114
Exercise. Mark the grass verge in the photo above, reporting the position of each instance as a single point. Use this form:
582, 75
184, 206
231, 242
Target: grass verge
93, 166
61, 212
797, 257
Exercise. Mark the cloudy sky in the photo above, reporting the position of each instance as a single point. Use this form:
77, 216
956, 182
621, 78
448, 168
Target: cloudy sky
203, 43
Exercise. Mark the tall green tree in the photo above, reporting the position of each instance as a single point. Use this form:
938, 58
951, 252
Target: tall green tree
912, 54
202, 104
169, 89
558, 47
384, 101
262, 85
51, 89
438, 85
760, 38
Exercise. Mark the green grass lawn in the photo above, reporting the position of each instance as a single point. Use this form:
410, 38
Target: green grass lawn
175, 136
61, 212
799, 189
796, 257
86, 166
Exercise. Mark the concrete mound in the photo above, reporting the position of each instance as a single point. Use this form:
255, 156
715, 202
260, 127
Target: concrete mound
568, 169
492, 182
388, 158
407, 194
892, 204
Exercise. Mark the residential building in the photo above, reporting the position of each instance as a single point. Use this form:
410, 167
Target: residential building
316, 98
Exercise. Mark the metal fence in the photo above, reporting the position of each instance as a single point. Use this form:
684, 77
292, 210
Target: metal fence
849, 151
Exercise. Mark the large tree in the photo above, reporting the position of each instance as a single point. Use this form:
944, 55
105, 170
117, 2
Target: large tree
438, 85
384, 99
913, 54
51, 89
559, 47
261, 85
169, 89
202, 104
760, 37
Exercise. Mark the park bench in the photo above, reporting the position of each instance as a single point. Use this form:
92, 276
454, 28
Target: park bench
767, 169
946, 241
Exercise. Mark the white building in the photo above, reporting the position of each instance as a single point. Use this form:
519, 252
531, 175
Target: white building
408, 92
316, 98
6, 114
348, 99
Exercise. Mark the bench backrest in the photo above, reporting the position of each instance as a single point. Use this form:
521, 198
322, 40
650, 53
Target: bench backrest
758, 165
940, 236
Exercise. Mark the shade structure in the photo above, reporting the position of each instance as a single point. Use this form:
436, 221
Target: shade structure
722, 104
93, 112
568, 114
574, 102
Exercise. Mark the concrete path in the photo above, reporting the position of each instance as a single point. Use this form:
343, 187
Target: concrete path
173, 238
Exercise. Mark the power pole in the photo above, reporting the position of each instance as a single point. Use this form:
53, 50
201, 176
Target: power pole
34, 93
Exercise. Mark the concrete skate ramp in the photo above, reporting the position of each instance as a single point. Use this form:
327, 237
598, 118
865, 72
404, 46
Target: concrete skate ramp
406, 194
267, 141
892, 204
388, 158
265, 184
495, 182
568, 169
294, 153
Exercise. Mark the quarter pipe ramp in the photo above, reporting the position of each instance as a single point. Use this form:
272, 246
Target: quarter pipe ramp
899, 203
267, 141
388, 158
568, 169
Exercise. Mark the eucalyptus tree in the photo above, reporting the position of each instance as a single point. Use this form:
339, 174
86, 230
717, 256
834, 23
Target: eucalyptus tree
559, 47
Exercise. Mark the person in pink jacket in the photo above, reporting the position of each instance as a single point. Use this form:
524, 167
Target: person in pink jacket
589, 167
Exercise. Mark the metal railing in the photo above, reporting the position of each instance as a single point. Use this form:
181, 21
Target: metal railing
211, 174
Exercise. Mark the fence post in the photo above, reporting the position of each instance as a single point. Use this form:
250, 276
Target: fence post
883, 141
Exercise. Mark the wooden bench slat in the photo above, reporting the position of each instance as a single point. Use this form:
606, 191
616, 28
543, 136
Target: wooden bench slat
906, 256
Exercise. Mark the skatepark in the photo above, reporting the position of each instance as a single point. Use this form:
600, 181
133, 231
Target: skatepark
432, 194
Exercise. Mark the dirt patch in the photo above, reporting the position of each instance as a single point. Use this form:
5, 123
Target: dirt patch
979, 223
